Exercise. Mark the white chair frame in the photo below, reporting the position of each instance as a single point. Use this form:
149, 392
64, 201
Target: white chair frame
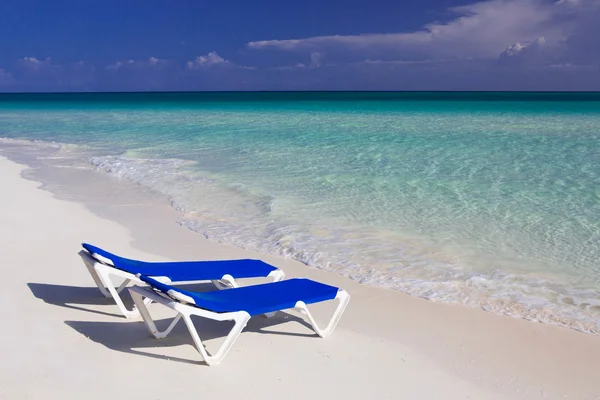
179, 303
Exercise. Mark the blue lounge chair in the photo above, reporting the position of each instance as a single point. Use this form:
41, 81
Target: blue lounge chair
238, 305
102, 265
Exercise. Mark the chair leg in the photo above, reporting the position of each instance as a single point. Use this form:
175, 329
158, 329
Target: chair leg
185, 312
240, 324
142, 306
123, 285
343, 298
114, 292
96, 279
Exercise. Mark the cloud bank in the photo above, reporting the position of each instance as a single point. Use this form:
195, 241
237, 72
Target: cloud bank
482, 30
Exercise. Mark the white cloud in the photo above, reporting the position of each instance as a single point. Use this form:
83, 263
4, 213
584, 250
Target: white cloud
208, 60
150, 63
479, 30
115, 67
316, 61
297, 66
33, 64
520, 53
212, 60
35, 61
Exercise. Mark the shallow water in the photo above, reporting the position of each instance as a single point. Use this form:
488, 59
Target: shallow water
490, 200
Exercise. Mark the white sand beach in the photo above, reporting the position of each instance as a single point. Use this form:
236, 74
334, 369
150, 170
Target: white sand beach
61, 339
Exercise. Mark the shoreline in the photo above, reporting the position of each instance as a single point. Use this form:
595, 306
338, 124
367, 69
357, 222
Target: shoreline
465, 351
60, 165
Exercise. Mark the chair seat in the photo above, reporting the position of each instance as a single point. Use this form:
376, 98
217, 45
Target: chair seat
184, 270
256, 299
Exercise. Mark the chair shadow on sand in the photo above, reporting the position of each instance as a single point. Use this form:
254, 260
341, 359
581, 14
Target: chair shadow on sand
76, 297
131, 336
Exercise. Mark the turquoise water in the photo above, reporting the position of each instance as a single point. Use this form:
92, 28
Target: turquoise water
484, 199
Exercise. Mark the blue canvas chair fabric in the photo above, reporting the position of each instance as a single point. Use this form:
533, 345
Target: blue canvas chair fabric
103, 266
256, 299
236, 304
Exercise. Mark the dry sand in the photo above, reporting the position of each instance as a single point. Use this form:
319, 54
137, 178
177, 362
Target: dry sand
62, 340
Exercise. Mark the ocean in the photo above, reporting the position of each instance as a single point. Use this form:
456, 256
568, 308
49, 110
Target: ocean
489, 200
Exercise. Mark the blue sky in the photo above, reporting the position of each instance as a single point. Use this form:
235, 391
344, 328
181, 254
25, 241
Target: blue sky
112, 45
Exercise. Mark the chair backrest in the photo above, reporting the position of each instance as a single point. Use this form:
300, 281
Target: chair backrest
111, 259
